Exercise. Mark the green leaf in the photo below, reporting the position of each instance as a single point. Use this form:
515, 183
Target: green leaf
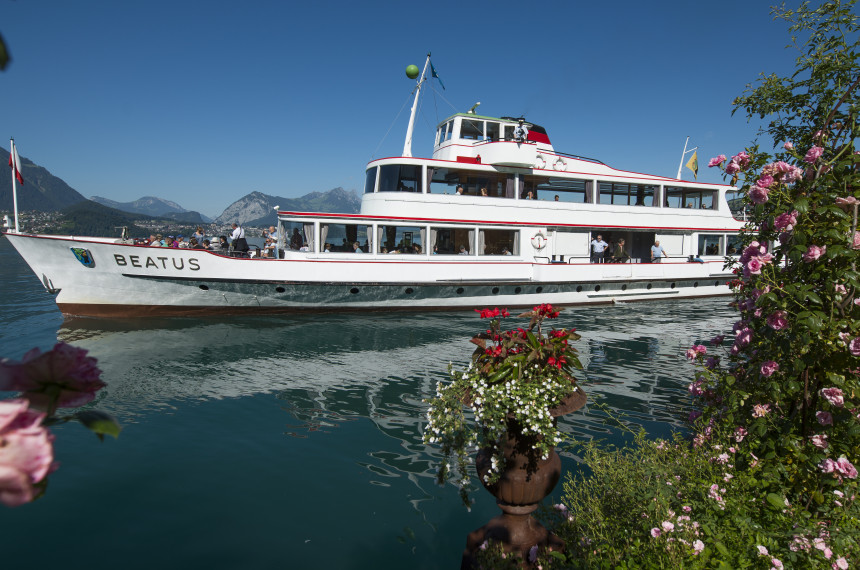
721, 548
100, 423
776, 501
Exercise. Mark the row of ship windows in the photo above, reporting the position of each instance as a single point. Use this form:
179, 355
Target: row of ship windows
400, 239
409, 178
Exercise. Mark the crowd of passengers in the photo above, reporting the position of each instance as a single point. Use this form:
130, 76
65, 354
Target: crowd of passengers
236, 246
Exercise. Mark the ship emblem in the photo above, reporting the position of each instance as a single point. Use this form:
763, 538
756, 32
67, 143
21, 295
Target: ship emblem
84, 256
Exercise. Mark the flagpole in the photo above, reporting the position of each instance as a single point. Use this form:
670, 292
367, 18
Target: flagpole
683, 154
407, 144
15, 167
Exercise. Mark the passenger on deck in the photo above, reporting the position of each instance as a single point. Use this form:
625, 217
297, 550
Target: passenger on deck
356, 248
484, 192
296, 240
463, 250
521, 132
459, 190
416, 248
556, 197
657, 252
207, 245
238, 242
198, 234
327, 248
597, 249
620, 254
222, 243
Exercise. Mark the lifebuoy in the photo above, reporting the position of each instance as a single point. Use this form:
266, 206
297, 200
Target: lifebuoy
540, 163
560, 165
539, 240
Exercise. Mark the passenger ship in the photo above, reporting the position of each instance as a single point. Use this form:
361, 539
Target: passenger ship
518, 234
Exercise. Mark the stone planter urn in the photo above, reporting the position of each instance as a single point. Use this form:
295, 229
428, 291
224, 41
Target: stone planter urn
525, 482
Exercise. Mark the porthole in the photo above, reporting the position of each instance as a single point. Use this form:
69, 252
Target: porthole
539, 290
518, 290
354, 290
459, 290
280, 289
495, 290
204, 287
579, 288
672, 286
409, 290
648, 287
624, 287
695, 283
596, 288
716, 283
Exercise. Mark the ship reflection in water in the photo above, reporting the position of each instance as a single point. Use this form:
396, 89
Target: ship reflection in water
328, 370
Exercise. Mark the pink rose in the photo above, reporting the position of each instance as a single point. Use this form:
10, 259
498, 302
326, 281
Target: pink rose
744, 337
777, 320
813, 154
656, 532
64, 377
26, 452
758, 195
754, 266
716, 161
819, 441
844, 467
834, 396
841, 564
856, 244
824, 418
827, 466
788, 145
813, 253
742, 159
768, 368
761, 410
732, 167
740, 434
764, 181
786, 221
854, 346
718, 340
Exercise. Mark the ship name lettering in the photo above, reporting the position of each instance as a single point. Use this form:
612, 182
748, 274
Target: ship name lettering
135, 261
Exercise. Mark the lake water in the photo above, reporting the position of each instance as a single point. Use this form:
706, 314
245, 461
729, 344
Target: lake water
295, 441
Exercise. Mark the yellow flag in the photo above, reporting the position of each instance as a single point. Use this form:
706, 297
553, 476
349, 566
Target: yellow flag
693, 164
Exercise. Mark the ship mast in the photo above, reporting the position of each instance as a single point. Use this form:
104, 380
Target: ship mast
407, 145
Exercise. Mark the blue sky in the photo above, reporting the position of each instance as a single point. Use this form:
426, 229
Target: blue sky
203, 102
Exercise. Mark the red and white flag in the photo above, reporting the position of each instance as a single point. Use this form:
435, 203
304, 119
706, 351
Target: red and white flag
15, 163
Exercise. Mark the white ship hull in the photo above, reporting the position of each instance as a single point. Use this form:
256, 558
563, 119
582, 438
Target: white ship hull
128, 280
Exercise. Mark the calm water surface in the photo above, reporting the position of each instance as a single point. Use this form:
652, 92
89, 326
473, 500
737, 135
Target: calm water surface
295, 442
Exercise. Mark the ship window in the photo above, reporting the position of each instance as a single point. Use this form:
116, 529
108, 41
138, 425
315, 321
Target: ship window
340, 237
446, 180
399, 178
620, 193
401, 239
693, 198
471, 129
493, 130
498, 242
447, 241
297, 236
735, 198
710, 244
370, 181
734, 245
567, 190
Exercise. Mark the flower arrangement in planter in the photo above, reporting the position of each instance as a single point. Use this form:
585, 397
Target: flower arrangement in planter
519, 378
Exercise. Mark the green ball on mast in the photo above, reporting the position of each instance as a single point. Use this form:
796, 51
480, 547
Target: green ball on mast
412, 71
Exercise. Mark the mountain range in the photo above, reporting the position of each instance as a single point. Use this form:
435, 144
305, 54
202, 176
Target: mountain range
44, 192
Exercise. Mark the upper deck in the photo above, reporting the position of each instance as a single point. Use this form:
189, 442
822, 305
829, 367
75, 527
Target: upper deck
483, 168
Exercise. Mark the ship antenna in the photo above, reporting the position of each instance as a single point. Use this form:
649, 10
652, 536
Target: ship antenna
407, 145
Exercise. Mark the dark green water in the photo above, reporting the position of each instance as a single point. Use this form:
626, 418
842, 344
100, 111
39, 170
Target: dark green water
295, 442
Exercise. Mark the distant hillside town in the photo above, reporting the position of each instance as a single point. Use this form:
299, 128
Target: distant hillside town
46, 204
